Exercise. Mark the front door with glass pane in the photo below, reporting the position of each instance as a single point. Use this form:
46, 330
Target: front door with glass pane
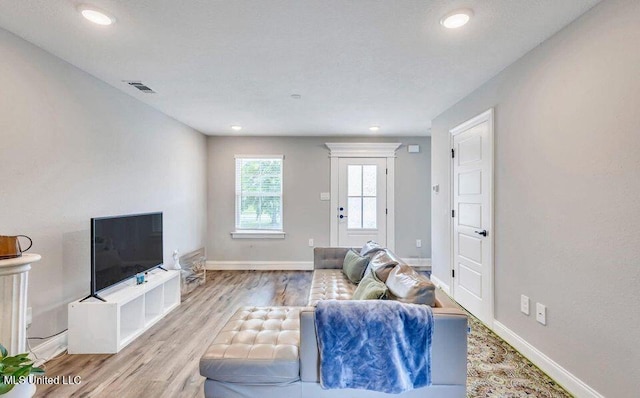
362, 201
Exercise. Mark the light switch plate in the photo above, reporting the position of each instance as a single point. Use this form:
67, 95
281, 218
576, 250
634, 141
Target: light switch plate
418, 242
325, 195
541, 313
310, 242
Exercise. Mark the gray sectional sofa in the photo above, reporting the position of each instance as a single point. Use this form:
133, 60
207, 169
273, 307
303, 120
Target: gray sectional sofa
272, 352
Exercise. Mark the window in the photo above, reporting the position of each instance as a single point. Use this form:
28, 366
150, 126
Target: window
362, 198
258, 195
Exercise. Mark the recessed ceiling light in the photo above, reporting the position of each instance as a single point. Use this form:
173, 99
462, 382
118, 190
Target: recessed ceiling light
457, 18
236, 127
96, 15
374, 128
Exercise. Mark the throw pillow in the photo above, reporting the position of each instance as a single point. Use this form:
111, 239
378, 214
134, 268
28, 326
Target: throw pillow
370, 288
382, 263
370, 248
408, 286
354, 266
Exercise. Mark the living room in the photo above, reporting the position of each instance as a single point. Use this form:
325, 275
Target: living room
554, 83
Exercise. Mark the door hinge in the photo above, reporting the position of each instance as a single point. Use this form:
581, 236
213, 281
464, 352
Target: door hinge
453, 213
453, 273
386, 171
386, 211
453, 153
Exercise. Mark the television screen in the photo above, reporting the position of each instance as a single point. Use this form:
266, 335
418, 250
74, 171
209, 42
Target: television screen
124, 246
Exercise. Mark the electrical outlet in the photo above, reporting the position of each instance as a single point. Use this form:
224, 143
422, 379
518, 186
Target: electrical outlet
524, 304
418, 243
541, 313
310, 242
29, 316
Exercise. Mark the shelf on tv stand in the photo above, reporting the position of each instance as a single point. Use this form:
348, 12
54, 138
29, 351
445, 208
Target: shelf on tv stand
97, 327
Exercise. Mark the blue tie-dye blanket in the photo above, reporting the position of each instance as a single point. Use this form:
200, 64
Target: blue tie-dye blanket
378, 345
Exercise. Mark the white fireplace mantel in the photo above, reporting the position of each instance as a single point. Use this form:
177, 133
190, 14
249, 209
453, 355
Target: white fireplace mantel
14, 278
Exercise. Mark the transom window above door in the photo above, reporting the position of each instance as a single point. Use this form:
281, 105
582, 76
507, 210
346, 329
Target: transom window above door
258, 195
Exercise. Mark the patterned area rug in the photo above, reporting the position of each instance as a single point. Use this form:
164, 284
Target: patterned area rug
495, 369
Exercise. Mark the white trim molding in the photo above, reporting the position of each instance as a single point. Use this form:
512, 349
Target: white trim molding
264, 234
386, 150
248, 265
258, 157
440, 284
561, 375
420, 262
363, 149
49, 349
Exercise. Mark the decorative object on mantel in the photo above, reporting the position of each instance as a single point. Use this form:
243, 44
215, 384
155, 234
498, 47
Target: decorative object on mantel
10, 246
176, 260
193, 270
13, 372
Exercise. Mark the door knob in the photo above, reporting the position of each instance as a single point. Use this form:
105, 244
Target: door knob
483, 232
341, 216
342, 209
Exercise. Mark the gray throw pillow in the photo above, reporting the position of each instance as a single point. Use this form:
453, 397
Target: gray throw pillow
370, 288
382, 263
354, 265
408, 286
370, 248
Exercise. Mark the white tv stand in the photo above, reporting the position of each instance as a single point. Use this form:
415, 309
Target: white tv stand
97, 327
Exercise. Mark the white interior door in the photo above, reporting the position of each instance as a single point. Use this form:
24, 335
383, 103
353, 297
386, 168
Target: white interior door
362, 201
472, 274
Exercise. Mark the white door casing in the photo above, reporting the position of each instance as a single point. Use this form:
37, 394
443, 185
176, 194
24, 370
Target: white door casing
472, 216
362, 201
363, 150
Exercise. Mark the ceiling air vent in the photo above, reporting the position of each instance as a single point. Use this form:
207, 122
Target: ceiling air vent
140, 86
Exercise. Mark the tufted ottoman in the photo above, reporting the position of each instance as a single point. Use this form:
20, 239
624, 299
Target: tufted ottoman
330, 284
258, 345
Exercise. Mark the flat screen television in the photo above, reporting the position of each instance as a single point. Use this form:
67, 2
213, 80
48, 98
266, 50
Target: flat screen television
123, 246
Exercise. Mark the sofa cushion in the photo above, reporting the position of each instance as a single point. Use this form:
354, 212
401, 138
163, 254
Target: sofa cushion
257, 345
370, 288
330, 284
408, 286
369, 248
354, 266
382, 263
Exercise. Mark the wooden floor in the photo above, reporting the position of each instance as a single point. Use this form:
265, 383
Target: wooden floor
163, 362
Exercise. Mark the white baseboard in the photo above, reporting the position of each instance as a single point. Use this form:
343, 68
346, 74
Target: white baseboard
562, 376
260, 265
424, 263
49, 349
445, 288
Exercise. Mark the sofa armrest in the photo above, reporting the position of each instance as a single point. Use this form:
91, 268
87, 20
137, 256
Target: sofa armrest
448, 347
309, 353
329, 257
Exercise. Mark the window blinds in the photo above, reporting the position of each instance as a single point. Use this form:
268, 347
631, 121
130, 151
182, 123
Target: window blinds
259, 192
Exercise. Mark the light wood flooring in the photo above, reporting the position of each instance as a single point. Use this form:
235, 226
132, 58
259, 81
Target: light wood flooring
163, 362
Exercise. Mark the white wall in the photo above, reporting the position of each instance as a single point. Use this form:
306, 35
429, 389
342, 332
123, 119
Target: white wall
72, 148
306, 174
567, 182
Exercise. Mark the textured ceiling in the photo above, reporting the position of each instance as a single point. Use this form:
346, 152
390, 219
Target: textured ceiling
356, 63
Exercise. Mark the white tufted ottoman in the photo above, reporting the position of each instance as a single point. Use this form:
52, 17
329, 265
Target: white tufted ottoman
258, 345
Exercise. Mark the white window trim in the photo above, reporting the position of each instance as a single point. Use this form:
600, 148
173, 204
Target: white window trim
387, 150
257, 234
261, 233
